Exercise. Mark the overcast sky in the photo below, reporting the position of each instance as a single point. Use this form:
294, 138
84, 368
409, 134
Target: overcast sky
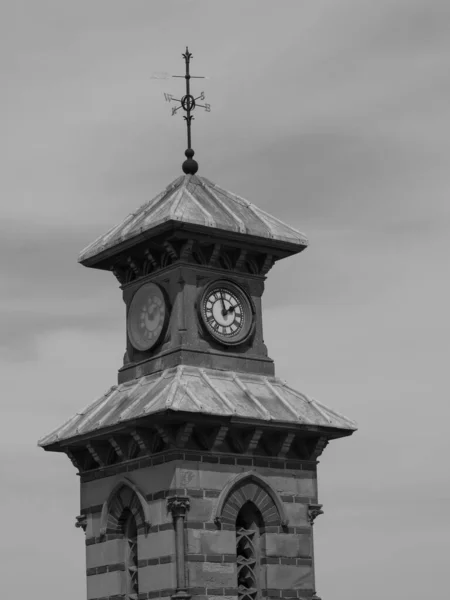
332, 115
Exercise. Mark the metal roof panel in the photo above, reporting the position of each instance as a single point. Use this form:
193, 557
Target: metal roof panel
197, 201
200, 391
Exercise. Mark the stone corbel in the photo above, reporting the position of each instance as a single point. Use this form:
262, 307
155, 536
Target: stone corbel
178, 506
314, 510
81, 521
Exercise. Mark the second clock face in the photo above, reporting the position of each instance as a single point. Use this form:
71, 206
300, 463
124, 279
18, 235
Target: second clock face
226, 312
146, 316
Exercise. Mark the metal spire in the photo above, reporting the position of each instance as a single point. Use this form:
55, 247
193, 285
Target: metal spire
188, 104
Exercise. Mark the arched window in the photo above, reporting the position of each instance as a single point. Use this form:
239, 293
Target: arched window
129, 529
248, 549
250, 504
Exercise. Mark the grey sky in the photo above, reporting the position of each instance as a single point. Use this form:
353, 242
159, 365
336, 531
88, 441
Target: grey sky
333, 116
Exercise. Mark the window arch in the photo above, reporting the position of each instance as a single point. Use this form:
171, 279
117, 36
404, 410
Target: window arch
249, 523
250, 486
125, 495
125, 514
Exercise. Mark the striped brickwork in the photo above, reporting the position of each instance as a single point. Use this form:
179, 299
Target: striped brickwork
210, 554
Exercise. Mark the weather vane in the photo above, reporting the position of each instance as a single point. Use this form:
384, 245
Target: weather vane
188, 103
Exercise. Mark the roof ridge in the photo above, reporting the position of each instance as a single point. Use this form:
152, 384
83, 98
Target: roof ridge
208, 218
88, 415
252, 397
319, 406
256, 208
147, 389
336, 413
177, 200
173, 386
129, 217
224, 399
281, 399
240, 223
183, 386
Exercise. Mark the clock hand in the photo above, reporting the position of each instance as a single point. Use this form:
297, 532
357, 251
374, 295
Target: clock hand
224, 310
232, 308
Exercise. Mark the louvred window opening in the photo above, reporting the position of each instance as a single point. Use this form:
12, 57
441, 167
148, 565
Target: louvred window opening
248, 552
131, 558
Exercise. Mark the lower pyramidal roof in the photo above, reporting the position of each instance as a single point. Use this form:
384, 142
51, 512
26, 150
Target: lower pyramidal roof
195, 201
201, 391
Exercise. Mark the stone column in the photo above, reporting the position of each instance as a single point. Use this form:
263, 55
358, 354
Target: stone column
178, 506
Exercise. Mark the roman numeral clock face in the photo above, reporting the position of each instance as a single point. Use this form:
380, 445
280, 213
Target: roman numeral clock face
226, 312
147, 316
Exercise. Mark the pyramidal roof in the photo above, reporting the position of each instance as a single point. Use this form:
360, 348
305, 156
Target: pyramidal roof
189, 389
196, 201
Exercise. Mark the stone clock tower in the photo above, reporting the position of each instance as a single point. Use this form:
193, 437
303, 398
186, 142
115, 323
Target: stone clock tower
198, 469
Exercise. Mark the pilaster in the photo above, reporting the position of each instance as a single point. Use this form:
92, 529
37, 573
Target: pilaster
178, 506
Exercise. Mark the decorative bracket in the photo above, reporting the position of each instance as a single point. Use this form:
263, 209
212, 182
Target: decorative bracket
183, 434
81, 521
98, 453
74, 459
267, 264
120, 447
320, 446
314, 510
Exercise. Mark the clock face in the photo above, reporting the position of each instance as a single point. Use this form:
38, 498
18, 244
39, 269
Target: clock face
146, 316
226, 312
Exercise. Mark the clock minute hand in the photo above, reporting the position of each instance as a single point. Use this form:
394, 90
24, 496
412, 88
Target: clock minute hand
224, 310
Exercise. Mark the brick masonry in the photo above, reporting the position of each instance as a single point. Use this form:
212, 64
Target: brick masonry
201, 593
210, 546
195, 456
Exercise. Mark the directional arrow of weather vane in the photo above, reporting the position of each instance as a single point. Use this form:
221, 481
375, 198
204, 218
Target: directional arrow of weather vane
188, 103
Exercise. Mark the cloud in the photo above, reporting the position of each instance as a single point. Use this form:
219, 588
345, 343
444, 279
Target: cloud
330, 115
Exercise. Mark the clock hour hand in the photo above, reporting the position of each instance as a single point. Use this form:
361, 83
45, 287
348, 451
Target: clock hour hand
231, 308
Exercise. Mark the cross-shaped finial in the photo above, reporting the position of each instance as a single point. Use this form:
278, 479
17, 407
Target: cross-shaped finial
188, 104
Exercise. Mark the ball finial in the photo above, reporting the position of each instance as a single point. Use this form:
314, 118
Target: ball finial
190, 166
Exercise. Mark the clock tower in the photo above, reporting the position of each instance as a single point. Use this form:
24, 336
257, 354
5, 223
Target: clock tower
198, 468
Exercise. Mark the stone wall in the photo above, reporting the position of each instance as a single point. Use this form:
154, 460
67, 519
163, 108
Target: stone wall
209, 539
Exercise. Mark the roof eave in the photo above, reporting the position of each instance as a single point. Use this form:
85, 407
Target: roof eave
328, 430
286, 247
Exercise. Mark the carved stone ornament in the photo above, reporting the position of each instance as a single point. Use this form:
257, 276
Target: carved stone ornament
81, 521
178, 505
314, 510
